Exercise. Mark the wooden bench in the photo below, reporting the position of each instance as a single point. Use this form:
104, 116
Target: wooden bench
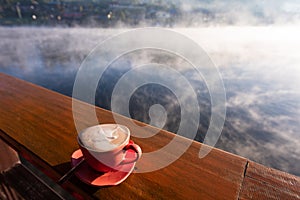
38, 123
20, 180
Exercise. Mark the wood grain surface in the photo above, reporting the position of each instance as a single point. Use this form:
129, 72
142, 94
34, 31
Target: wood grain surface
266, 183
39, 123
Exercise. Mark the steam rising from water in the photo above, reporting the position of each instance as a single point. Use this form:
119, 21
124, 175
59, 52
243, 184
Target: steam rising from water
232, 12
259, 66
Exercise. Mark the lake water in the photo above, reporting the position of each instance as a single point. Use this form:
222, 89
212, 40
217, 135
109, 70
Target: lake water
260, 68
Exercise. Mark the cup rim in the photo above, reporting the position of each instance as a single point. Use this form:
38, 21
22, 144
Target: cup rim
125, 128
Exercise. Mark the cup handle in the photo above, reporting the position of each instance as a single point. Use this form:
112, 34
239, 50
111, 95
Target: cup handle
135, 148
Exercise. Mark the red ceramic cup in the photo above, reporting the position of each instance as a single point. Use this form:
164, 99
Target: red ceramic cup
107, 160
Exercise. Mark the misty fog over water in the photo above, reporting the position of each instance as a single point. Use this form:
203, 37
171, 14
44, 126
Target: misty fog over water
259, 66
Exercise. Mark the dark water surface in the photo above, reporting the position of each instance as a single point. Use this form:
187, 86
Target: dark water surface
261, 77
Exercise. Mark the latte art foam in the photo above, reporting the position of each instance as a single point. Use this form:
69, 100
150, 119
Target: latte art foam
103, 138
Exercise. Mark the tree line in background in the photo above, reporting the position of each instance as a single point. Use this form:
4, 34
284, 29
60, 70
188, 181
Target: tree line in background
87, 13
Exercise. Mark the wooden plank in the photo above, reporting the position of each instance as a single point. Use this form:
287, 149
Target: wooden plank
40, 122
26, 185
7, 192
262, 182
8, 157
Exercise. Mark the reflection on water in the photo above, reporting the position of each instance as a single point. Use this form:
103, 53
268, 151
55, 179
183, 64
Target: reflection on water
260, 74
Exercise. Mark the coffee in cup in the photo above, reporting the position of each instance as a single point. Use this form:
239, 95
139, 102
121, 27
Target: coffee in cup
104, 147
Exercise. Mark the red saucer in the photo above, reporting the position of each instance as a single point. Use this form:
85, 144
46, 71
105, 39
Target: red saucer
92, 177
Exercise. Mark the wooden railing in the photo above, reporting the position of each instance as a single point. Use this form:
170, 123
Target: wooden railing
38, 123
